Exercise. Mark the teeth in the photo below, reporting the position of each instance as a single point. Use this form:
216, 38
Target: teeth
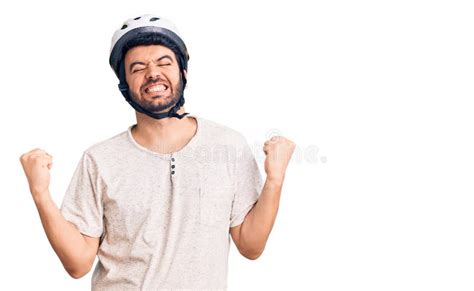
156, 88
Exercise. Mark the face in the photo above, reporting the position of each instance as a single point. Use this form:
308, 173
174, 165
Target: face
152, 75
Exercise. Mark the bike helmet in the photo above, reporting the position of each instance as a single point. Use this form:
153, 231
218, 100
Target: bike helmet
165, 34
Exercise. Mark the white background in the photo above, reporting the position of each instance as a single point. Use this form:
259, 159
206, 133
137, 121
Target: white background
376, 94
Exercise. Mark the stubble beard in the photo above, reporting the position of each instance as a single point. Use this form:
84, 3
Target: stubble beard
159, 103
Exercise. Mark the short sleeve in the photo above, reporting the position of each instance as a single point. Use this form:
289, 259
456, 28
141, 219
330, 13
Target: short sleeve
82, 203
247, 184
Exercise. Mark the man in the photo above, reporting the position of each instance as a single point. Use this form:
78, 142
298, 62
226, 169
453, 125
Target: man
156, 203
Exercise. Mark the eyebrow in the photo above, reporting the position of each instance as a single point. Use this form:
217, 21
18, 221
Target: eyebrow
142, 63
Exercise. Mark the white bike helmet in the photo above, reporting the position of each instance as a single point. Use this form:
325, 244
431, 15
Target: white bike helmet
134, 29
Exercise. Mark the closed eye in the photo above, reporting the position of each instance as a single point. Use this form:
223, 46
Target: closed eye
141, 69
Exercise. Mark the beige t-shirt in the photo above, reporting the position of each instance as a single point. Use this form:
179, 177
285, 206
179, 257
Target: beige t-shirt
163, 219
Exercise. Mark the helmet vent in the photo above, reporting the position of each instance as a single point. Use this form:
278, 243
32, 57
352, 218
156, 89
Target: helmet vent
124, 26
136, 18
154, 19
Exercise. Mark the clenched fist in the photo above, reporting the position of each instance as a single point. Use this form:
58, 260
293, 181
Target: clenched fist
36, 164
278, 151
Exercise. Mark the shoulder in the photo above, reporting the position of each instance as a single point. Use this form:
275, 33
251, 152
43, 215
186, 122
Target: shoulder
109, 146
217, 133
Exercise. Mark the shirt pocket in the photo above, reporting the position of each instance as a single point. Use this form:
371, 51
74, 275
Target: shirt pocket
215, 204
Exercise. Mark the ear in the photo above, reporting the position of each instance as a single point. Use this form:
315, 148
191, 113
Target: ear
185, 74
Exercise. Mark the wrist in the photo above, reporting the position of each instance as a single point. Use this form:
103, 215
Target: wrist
39, 197
275, 180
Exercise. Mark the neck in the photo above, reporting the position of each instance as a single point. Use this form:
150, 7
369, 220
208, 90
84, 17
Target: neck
159, 133
150, 121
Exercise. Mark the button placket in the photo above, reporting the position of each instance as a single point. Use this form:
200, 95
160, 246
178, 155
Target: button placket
173, 166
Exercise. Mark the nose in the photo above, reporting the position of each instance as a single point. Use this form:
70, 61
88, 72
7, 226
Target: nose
152, 72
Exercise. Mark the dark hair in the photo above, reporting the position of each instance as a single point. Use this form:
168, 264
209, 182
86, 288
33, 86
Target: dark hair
156, 39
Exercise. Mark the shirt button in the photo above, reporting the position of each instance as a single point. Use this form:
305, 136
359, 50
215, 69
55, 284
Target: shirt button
172, 159
172, 172
173, 166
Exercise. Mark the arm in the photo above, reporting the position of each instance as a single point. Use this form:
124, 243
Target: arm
76, 252
251, 236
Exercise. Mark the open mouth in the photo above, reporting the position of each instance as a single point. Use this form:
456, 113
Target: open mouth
156, 89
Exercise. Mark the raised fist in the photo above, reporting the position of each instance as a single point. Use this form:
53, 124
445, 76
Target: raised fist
36, 164
278, 151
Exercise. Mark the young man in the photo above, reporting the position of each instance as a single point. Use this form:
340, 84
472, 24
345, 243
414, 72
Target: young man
156, 203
